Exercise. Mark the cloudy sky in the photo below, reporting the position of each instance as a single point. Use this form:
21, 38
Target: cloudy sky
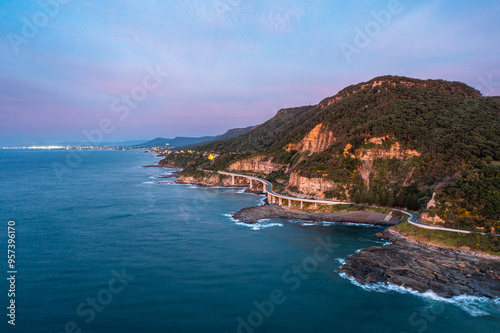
125, 70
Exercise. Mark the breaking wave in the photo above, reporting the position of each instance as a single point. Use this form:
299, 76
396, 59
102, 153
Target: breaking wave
261, 224
473, 305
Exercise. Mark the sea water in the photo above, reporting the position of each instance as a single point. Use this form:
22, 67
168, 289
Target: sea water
104, 245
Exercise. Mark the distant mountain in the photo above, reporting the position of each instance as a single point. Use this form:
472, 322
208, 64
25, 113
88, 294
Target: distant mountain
232, 133
177, 142
190, 142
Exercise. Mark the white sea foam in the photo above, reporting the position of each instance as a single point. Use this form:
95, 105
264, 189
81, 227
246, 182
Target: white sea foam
375, 240
167, 182
261, 224
364, 225
230, 216
473, 305
304, 223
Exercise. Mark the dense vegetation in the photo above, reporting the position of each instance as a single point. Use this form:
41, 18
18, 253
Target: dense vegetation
182, 160
472, 200
265, 135
453, 128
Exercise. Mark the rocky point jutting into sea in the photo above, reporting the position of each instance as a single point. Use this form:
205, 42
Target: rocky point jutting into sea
423, 267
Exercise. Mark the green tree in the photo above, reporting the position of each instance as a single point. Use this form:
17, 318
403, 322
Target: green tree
399, 201
383, 196
390, 198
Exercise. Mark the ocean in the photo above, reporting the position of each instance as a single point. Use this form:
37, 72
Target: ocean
104, 245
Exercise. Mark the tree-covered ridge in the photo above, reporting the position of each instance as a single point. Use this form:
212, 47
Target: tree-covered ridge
419, 117
449, 126
443, 87
262, 137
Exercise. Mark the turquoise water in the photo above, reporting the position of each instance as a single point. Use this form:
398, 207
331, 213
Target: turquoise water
104, 246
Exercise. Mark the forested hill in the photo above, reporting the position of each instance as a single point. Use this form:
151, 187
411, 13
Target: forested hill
432, 115
265, 135
391, 141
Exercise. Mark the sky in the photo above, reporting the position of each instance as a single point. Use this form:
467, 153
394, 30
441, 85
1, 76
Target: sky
129, 70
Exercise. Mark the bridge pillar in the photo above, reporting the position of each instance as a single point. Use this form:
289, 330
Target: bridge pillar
315, 205
251, 184
269, 198
232, 180
301, 204
280, 201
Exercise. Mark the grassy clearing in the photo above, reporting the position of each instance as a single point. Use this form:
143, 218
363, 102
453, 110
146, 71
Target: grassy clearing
482, 243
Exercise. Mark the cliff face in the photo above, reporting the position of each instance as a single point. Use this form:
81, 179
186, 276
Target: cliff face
310, 187
367, 156
318, 139
210, 180
258, 164
216, 180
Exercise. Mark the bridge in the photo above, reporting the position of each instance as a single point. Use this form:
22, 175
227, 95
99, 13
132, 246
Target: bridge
276, 198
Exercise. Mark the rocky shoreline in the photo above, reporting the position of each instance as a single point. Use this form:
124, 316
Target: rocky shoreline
421, 267
273, 211
446, 272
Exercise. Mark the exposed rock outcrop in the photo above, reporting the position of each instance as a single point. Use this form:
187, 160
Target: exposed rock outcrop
311, 187
259, 164
368, 155
446, 272
318, 139
215, 179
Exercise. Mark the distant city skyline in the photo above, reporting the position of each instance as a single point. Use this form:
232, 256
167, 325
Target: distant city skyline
118, 71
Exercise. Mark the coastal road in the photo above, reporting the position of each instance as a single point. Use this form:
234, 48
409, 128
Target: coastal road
268, 189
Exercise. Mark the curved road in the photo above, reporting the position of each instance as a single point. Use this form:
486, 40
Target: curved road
412, 217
